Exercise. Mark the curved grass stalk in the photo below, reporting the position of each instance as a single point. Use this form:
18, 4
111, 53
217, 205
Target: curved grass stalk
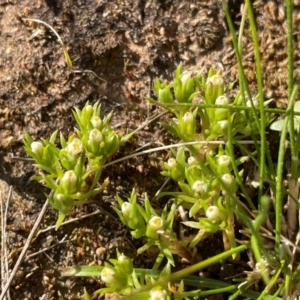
66, 54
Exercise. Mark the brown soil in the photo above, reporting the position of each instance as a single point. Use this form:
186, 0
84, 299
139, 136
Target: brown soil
117, 49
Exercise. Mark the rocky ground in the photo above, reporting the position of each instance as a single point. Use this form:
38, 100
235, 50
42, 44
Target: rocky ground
117, 49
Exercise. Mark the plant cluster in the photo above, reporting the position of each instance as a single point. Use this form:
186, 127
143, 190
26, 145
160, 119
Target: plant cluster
210, 124
203, 114
73, 170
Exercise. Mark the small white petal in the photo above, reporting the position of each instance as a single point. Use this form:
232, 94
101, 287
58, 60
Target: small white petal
199, 186
75, 147
156, 223
215, 80
96, 121
108, 275
227, 179
172, 163
222, 100
188, 118
213, 213
158, 295
95, 136
224, 160
37, 147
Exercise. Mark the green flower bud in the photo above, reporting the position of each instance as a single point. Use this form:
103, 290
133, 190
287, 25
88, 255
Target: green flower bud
255, 103
37, 148
116, 279
108, 275
158, 295
200, 187
172, 164
192, 161
174, 170
214, 214
223, 162
219, 128
70, 154
96, 121
125, 264
185, 76
214, 88
222, 100
131, 216
61, 202
215, 80
229, 182
223, 124
126, 209
95, 138
188, 118
165, 95
189, 88
155, 223
188, 125
69, 182
221, 113
112, 144
75, 147
86, 114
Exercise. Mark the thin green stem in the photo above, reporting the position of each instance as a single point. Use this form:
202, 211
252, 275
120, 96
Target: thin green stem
280, 166
244, 87
263, 147
293, 139
229, 147
189, 270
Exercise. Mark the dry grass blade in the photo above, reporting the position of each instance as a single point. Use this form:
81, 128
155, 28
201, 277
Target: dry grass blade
66, 54
4, 256
22, 254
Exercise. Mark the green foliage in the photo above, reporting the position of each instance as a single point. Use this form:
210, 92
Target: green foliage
73, 170
209, 178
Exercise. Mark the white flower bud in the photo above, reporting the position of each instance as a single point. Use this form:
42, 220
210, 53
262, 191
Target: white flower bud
89, 109
222, 100
255, 103
192, 160
37, 148
224, 160
126, 208
158, 295
60, 197
156, 223
96, 121
126, 263
199, 186
215, 80
172, 163
223, 124
75, 147
185, 76
69, 182
188, 118
95, 136
108, 275
228, 179
213, 213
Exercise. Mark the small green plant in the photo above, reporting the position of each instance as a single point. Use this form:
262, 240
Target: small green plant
211, 124
73, 170
204, 172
